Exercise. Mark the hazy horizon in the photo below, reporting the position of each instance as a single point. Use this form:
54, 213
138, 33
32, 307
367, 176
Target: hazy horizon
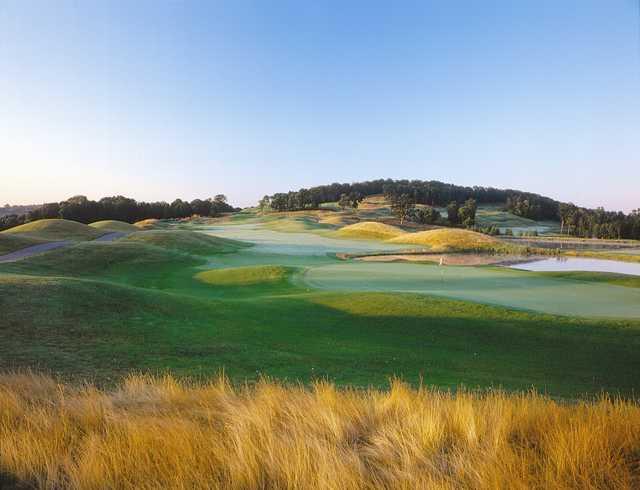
159, 100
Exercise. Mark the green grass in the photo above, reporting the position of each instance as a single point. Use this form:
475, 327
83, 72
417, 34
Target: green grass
10, 242
603, 277
187, 241
245, 276
114, 225
91, 328
56, 229
90, 259
100, 310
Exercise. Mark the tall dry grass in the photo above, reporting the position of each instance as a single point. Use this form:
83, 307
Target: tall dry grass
160, 433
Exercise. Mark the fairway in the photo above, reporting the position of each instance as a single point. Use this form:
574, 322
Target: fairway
196, 298
488, 285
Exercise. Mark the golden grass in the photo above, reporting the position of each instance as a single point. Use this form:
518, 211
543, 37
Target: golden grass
374, 202
370, 229
151, 433
339, 219
244, 276
56, 229
146, 224
449, 239
114, 225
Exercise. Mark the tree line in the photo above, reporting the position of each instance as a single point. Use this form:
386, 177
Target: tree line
431, 193
461, 203
79, 208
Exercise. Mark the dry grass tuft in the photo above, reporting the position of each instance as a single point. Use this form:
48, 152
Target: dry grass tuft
160, 433
370, 229
449, 239
114, 225
146, 224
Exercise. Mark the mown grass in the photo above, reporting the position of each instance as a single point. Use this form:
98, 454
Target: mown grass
149, 433
245, 276
101, 328
56, 229
605, 277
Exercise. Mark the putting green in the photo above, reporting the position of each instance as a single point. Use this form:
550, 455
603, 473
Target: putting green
488, 285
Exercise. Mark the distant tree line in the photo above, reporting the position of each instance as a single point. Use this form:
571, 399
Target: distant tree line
17, 209
461, 203
598, 223
79, 208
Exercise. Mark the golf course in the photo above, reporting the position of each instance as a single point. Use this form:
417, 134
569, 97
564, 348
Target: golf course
288, 296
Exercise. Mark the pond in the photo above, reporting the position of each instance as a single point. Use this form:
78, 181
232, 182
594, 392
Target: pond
566, 264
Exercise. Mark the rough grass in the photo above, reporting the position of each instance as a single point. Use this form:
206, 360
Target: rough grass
245, 276
187, 241
10, 242
146, 224
626, 280
152, 433
114, 225
450, 239
604, 255
371, 230
95, 258
56, 229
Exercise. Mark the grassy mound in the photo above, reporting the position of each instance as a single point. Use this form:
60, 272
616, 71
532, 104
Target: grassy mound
57, 229
10, 242
370, 229
98, 258
114, 225
187, 241
245, 276
146, 224
160, 432
338, 219
449, 239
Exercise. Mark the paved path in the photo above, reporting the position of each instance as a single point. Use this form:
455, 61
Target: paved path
33, 250
45, 247
109, 237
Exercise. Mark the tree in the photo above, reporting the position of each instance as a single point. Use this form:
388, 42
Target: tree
355, 198
220, 199
344, 202
426, 215
402, 205
264, 204
467, 213
453, 213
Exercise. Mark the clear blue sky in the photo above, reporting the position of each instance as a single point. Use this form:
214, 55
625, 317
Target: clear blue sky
159, 99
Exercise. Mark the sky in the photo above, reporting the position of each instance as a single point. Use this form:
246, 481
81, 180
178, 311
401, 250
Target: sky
163, 99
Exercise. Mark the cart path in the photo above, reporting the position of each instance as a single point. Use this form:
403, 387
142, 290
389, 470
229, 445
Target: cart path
34, 250
45, 247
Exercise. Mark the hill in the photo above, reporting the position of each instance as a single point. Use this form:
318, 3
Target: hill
10, 242
449, 239
187, 241
371, 230
56, 229
114, 225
